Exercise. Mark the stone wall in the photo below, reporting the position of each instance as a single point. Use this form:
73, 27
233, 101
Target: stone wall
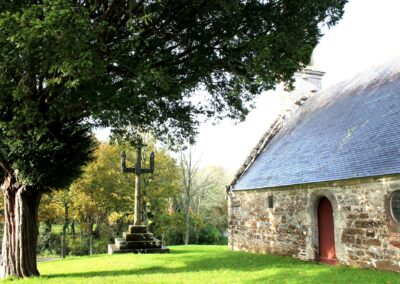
365, 233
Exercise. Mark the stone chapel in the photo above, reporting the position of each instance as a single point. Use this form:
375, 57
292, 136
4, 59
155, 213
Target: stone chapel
323, 183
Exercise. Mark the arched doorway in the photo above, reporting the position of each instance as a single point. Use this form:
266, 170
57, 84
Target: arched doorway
326, 232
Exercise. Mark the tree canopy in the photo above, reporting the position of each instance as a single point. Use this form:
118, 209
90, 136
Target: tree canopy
66, 65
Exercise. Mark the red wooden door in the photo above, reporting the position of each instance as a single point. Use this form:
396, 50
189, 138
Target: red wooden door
327, 253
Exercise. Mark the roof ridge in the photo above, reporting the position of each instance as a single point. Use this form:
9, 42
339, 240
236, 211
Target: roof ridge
272, 131
299, 97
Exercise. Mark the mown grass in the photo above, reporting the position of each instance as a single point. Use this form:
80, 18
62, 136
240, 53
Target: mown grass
200, 264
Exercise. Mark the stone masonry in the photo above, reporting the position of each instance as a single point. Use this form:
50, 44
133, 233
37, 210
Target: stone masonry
137, 240
365, 233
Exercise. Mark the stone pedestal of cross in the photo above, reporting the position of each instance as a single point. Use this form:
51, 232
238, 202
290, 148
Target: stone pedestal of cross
137, 239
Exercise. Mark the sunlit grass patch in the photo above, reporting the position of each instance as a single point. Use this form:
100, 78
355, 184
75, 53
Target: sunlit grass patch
200, 264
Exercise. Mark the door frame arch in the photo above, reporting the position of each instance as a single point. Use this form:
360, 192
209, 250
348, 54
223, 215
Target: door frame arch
315, 198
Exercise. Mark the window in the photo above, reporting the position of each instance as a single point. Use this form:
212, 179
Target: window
395, 205
270, 201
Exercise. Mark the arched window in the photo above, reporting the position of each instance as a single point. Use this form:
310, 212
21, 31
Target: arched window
395, 205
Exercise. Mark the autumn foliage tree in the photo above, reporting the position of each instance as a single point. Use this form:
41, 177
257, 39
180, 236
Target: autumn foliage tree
101, 201
69, 65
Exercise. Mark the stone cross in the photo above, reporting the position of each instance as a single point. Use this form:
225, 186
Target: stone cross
138, 171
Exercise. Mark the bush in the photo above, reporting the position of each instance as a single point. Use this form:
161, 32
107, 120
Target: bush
223, 241
210, 235
77, 245
100, 245
48, 244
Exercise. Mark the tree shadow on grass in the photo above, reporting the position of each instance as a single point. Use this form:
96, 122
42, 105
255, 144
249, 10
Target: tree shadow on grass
189, 251
335, 275
279, 269
122, 272
237, 261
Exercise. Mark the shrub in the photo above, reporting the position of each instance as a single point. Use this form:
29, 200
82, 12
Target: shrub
210, 235
78, 245
48, 244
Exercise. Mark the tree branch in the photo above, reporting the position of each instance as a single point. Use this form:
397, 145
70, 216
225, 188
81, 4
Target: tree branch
5, 166
108, 8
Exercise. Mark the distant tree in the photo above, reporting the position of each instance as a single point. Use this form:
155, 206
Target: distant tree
69, 65
192, 185
101, 190
55, 208
211, 201
101, 200
189, 169
65, 199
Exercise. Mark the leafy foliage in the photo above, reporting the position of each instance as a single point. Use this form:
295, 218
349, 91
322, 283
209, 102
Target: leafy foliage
210, 235
100, 203
40, 141
66, 66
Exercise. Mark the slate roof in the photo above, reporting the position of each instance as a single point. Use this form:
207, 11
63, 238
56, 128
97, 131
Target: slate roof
348, 131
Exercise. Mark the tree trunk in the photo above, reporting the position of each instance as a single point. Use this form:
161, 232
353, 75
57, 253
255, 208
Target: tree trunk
64, 231
187, 220
21, 204
90, 236
73, 228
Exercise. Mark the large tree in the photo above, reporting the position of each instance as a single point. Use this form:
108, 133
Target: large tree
67, 66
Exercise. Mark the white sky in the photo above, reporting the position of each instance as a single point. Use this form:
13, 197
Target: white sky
367, 35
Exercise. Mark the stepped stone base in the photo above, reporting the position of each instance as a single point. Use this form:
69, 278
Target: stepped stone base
137, 240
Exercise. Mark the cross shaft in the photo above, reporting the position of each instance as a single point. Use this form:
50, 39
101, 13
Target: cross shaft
137, 170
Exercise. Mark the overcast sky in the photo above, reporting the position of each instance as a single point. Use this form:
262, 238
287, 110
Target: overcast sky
367, 35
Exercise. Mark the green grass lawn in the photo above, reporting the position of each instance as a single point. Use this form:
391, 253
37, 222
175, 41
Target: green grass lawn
200, 264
